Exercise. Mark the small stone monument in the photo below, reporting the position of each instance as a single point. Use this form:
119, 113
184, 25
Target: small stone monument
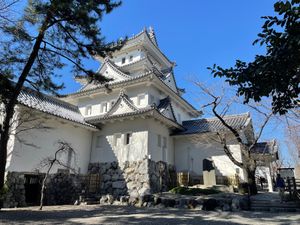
209, 174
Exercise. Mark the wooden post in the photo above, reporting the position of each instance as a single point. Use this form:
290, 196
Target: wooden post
294, 184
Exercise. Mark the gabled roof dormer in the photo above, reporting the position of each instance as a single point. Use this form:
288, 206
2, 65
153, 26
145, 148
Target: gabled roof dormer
122, 105
112, 71
166, 109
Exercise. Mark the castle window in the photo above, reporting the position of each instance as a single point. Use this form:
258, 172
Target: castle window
141, 99
88, 110
130, 58
123, 60
116, 140
103, 107
159, 140
128, 138
164, 142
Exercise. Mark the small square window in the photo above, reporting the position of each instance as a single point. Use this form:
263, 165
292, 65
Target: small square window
164, 142
116, 140
141, 99
128, 138
159, 140
103, 107
123, 60
88, 110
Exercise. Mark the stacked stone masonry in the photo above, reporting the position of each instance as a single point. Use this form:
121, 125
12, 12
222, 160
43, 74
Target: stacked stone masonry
136, 178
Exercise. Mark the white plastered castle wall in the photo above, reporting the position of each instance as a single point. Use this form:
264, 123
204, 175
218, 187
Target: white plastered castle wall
96, 101
157, 150
42, 143
109, 144
136, 55
190, 151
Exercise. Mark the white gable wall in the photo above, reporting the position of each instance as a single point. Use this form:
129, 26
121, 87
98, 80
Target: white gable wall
136, 54
190, 153
113, 146
43, 144
108, 72
160, 153
170, 82
95, 102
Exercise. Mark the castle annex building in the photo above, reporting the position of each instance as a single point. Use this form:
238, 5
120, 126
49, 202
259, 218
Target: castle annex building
134, 132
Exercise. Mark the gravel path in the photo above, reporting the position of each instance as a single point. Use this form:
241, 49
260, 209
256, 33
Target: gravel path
96, 214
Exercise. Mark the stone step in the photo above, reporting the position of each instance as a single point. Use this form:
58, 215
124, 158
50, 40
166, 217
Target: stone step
274, 209
276, 206
276, 202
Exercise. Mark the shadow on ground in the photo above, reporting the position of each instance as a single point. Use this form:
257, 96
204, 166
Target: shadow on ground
131, 215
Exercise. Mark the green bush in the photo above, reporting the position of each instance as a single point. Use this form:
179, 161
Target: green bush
194, 191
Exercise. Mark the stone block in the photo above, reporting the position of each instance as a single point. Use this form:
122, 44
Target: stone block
118, 184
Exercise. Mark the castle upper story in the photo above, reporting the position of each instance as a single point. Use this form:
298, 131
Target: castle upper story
141, 79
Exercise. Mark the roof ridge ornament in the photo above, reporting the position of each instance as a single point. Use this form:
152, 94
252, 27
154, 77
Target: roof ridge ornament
122, 93
152, 36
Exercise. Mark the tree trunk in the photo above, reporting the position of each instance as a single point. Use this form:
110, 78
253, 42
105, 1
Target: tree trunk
10, 106
44, 184
3, 154
251, 181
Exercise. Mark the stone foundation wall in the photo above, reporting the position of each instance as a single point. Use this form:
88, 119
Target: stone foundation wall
61, 188
136, 178
15, 195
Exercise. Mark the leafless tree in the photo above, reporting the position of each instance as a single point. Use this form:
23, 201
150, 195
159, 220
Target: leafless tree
49, 162
249, 160
6, 10
293, 135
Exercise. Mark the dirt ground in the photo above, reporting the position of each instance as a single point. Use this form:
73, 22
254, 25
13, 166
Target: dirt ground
96, 214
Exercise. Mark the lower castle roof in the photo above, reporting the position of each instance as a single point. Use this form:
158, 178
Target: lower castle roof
51, 105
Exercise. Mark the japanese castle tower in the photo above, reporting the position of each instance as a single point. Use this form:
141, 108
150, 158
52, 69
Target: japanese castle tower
134, 132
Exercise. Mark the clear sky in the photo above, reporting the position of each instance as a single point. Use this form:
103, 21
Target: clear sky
195, 34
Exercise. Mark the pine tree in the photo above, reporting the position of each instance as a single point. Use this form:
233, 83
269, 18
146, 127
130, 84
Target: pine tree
50, 35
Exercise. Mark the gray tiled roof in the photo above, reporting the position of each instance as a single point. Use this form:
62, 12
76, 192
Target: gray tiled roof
51, 105
163, 107
214, 124
152, 110
265, 147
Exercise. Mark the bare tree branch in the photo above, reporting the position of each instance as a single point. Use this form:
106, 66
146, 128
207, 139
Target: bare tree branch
50, 162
